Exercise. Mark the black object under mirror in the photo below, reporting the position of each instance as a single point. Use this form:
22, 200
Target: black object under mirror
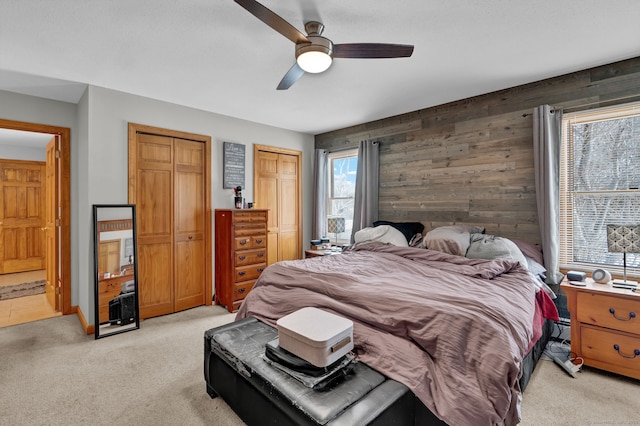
116, 270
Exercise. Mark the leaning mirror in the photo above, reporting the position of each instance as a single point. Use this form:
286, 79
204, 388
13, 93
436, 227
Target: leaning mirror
116, 272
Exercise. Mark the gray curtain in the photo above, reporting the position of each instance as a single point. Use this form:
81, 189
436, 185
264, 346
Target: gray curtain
318, 221
547, 137
365, 210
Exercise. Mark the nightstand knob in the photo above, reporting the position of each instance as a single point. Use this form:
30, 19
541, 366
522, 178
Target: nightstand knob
632, 315
636, 352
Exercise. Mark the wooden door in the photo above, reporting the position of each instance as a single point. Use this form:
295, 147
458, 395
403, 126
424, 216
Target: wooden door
109, 258
22, 185
154, 208
169, 181
266, 197
189, 224
278, 189
52, 226
289, 239
62, 234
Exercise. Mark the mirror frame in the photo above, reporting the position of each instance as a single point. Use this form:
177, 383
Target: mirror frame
103, 330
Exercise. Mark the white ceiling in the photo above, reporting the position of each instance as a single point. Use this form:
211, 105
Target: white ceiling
215, 56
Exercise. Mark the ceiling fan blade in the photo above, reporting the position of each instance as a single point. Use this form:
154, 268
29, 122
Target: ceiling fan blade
372, 50
273, 20
291, 77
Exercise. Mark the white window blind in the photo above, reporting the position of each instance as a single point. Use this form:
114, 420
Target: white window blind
599, 184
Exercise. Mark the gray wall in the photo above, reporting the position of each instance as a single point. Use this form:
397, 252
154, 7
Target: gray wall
99, 143
471, 161
21, 153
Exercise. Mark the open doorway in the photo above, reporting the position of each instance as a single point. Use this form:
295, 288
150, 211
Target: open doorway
34, 222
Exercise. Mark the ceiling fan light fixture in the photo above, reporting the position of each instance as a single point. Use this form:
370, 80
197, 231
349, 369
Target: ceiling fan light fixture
314, 61
316, 56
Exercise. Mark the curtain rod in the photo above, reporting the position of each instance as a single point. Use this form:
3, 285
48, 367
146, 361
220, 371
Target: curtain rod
590, 103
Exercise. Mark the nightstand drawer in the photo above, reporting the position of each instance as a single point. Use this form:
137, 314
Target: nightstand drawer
608, 311
609, 347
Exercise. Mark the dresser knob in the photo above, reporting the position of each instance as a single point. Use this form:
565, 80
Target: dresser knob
260, 254
636, 352
632, 315
259, 241
243, 242
260, 269
241, 273
242, 257
241, 290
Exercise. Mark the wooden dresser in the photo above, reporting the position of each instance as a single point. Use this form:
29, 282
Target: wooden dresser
240, 253
109, 288
605, 326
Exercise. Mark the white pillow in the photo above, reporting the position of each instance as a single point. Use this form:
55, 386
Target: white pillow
382, 234
452, 239
490, 247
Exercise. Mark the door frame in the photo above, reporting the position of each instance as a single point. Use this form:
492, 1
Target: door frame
63, 186
276, 150
133, 130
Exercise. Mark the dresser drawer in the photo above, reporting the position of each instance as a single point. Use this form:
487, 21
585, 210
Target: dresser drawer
250, 257
253, 242
250, 216
613, 348
240, 291
247, 229
251, 272
608, 311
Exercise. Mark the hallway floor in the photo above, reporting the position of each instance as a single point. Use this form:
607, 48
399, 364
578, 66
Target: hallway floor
26, 308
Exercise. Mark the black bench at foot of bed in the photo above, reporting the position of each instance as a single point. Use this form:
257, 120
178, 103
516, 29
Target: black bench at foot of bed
260, 394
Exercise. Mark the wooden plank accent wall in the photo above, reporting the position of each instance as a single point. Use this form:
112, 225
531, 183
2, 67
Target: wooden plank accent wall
471, 161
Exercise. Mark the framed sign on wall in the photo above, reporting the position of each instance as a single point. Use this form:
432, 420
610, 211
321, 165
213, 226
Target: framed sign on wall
233, 165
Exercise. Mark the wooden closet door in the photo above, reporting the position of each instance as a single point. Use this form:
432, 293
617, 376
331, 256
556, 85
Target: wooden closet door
266, 197
289, 207
189, 228
277, 188
154, 200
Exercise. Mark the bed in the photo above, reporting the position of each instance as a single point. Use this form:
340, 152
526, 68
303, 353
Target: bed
462, 333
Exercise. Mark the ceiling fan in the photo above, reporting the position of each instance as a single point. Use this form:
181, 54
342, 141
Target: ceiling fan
315, 53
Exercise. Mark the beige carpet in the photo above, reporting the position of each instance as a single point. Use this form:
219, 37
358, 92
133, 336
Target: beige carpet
51, 373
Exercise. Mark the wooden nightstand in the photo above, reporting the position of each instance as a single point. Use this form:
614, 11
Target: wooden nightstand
605, 326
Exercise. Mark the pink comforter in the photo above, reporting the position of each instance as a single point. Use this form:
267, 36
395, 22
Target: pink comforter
454, 330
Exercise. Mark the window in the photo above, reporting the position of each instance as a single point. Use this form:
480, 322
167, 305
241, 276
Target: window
599, 185
342, 169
